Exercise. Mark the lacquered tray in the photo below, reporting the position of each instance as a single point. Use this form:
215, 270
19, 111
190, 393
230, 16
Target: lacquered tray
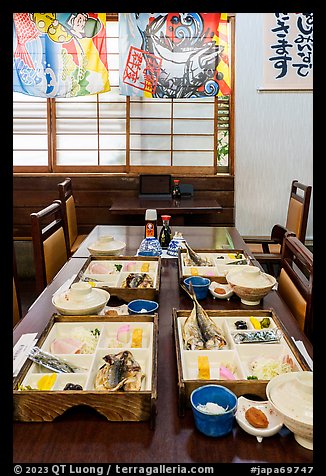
221, 261
46, 405
119, 268
235, 356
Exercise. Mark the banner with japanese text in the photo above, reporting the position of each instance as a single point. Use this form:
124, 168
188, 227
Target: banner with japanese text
288, 51
174, 55
60, 54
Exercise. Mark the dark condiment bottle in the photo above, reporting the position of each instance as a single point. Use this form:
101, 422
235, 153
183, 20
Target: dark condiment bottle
151, 223
176, 193
166, 232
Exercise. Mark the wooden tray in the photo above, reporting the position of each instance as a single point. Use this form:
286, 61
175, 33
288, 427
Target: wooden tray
44, 406
114, 287
235, 354
214, 273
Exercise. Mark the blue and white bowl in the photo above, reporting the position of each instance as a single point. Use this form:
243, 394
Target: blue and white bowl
174, 245
200, 285
142, 306
214, 425
150, 247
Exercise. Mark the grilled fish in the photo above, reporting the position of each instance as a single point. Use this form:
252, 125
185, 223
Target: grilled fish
191, 334
120, 371
195, 258
211, 333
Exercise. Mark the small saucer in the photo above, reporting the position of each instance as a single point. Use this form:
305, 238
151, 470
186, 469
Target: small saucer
275, 419
214, 286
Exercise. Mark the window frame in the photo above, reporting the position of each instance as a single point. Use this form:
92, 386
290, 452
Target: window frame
214, 169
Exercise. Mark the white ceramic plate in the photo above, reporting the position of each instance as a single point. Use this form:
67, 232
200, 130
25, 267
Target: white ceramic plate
275, 419
93, 304
226, 287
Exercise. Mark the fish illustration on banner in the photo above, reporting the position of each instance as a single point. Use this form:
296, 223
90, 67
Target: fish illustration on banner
174, 55
60, 54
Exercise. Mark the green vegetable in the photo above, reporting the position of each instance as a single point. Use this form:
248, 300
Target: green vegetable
264, 323
252, 377
118, 267
96, 332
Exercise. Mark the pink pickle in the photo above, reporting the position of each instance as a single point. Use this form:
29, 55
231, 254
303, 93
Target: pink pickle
226, 374
123, 334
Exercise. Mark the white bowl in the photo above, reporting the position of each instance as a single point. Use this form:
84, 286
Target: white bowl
291, 395
275, 419
81, 299
227, 288
106, 245
250, 284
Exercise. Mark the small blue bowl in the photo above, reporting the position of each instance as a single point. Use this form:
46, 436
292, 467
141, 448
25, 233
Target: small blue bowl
136, 306
214, 425
199, 284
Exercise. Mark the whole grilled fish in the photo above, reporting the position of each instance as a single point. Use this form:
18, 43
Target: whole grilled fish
212, 334
191, 334
120, 371
195, 258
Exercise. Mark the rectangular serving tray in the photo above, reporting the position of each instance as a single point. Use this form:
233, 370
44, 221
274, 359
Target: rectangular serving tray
234, 353
115, 288
45, 406
214, 273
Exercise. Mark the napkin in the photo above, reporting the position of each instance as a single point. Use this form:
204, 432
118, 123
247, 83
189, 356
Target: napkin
21, 351
300, 345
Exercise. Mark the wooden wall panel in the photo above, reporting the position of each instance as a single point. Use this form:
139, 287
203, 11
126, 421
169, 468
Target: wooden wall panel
94, 192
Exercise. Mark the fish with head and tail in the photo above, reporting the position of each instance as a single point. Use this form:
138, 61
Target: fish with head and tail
211, 334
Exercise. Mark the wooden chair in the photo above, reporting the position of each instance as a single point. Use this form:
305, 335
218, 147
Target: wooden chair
295, 282
50, 243
17, 311
70, 216
268, 250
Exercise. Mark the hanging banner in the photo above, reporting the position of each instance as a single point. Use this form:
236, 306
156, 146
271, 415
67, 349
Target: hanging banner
174, 55
288, 51
60, 54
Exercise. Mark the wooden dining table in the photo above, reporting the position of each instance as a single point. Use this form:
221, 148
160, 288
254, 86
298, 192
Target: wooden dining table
81, 435
180, 209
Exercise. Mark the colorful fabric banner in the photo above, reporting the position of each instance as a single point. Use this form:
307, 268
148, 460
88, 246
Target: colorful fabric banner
173, 55
60, 54
288, 51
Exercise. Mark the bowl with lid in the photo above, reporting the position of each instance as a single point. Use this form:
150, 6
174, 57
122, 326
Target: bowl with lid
106, 245
81, 299
250, 284
291, 395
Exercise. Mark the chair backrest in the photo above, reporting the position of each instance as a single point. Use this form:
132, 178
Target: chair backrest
17, 312
295, 282
69, 210
50, 243
298, 210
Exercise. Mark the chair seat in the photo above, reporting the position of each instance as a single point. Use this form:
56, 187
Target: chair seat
76, 244
257, 248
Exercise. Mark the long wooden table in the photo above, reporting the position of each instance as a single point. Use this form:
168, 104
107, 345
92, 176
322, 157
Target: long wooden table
83, 436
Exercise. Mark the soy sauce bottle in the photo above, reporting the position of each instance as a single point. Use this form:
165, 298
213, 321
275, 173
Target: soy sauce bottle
150, 224
176, 192
166, 232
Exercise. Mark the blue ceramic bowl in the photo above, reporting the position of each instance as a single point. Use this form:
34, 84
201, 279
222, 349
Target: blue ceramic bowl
199, 284
214, 425
136, 306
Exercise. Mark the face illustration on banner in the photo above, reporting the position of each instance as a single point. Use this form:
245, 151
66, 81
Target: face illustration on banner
178, 56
